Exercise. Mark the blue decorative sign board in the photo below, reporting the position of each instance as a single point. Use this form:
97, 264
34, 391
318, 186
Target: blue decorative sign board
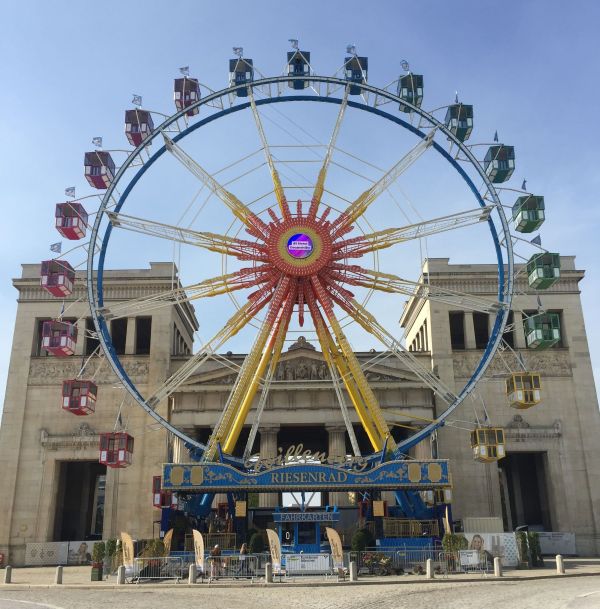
391, 475
306, 516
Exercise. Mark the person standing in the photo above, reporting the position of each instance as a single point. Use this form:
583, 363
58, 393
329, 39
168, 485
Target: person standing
215, 562
243, 559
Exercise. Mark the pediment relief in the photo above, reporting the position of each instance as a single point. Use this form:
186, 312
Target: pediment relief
305, 365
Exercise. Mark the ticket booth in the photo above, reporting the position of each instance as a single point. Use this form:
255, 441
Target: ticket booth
303, 531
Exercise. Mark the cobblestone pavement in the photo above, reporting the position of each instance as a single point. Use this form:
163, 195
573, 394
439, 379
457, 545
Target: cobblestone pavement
551, 593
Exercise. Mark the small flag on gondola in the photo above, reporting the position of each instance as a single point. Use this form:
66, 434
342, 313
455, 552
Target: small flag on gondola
405, 66
456, 97
524, 185
351, 48
120, 420
97, 141
56, 247
70, 192
496, 136
137, 100
185, 70
294, 43
239, 51
537, 241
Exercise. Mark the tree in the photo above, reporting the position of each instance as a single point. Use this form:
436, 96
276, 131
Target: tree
363, 538
257, 543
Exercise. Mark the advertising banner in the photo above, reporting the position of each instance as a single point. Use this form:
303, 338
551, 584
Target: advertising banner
336, 547
298, 564
167, 539
46, 553
275, 549
491, 545
557, 543
199, 550
59, 553
128, 551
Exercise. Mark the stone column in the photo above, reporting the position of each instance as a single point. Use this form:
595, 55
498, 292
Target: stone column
130, 338
80, 344
518, 332
469, 331
337, 448
268, 449
180, 453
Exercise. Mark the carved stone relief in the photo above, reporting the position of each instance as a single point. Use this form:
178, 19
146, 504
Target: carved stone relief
549, 363
50, 370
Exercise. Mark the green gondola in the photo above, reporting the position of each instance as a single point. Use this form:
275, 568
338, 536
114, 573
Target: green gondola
499, 163
459, 120
528, 213
543, 270
542, 330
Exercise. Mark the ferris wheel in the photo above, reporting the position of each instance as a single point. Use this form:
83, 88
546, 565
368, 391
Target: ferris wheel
297, 263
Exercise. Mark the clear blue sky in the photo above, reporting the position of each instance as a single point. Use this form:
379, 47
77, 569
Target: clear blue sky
68, 70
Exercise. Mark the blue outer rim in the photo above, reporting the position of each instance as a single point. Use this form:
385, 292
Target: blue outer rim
504, 293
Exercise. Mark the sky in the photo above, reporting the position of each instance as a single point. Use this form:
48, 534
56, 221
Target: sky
69, 69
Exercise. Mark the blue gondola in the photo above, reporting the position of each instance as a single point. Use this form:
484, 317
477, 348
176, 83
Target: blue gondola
355, 70
241, 71
410, 89
298, 65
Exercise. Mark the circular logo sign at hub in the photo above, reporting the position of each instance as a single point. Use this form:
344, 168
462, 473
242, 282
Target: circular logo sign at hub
300, 246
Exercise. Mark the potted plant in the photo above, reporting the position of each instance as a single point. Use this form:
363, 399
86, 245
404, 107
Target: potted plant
111, 551
453, 543
98, 554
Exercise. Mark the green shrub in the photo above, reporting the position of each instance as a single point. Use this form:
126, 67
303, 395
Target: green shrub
363, 538
454, 542
535, 550
98, 552
111, 547
256, 544
154, 548
249, 534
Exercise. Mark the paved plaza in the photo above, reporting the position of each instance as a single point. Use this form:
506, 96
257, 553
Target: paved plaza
539, 588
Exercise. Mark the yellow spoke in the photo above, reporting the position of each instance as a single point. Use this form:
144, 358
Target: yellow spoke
241, 388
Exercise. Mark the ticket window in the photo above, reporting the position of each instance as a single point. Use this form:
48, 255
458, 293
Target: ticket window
306, 532
287, 533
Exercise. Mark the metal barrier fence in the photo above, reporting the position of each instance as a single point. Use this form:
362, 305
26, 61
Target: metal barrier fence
233, 567
389, 561
159, 567
396, 561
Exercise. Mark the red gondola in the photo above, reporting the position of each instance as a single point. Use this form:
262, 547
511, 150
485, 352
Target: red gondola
186, 92
71, 220
79, 397
116, 449
138, 125
57, 277
160, 498
59, 337
99, 169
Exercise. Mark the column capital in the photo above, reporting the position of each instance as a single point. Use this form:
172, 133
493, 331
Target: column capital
333, 428
269, 428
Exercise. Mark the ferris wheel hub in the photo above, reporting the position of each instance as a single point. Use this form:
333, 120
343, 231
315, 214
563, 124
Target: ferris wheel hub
299, 246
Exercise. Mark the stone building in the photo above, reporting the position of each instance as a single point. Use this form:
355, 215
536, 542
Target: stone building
56, 490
